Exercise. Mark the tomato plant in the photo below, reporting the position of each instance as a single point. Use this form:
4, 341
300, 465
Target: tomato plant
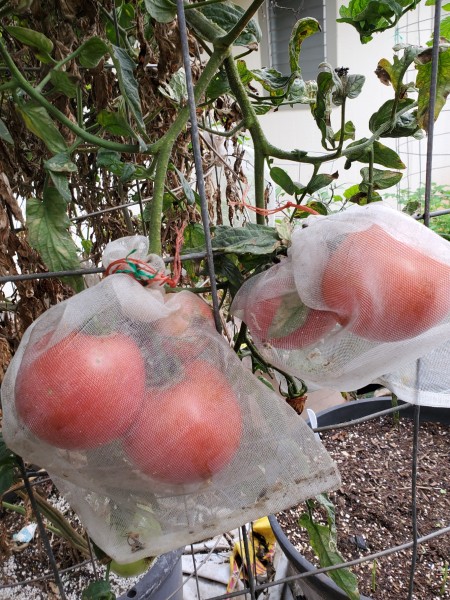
82, 392
383, 289
285, 322
188, 432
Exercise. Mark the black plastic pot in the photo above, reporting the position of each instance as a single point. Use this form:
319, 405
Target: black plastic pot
321, 587
163, 580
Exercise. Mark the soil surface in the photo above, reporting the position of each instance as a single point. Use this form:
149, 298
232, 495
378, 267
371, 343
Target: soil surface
29, 562
374, 502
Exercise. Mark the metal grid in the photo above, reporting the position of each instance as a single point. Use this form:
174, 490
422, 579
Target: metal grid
253, 588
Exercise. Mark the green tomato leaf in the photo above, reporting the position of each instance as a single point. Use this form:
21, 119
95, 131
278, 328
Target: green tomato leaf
445, 28
61, 163
301, 92
98, 590
382, 155
395, 72
32, 38
125, 14
372, 16
226, 268
261, 109
320, 181
323, 541
8, 467
65, 83
194, 238
321, 110
354, 85
423, 83
245, 75
405, 125
176, 89
61, 183
4, 133
111, 161
48, 228
283, 179
128, 86
271, 79
348, 134
381, 179
38, 121
162, 11
302, 30
91, 52
219, 86
251, 239
226, 15
188, 191
115, 123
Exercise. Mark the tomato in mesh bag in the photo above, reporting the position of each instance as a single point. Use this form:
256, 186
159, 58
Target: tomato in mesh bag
83, 391
285, 322
183, 328
146, 419
275, 314
383, 289
189, 431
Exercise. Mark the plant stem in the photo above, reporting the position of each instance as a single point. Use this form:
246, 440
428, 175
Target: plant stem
370, 183
227, 134
59, 521
82, 133
22, 511
251, 122
236, 31
201, 4
155, 216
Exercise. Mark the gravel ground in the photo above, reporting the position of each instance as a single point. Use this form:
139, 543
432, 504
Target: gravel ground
374, 502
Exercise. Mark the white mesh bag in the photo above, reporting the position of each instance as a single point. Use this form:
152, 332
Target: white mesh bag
148, 422
377, 283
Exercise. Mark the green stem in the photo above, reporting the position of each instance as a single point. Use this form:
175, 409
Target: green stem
37, 96
156, 206
259, 184
56, 67
163, 147
211, 67
370, 183
201, 4
252, 123
302, 156
236, 31
118, 28
342, 134
21, 511
79, 106
59, 521
226, 134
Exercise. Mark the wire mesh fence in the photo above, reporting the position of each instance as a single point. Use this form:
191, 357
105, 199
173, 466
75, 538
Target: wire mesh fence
252, 583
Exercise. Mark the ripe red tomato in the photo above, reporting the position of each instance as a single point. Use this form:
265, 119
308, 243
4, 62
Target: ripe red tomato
188, 432
285, 322
192, 311
385, 290
183, 329
82, 392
